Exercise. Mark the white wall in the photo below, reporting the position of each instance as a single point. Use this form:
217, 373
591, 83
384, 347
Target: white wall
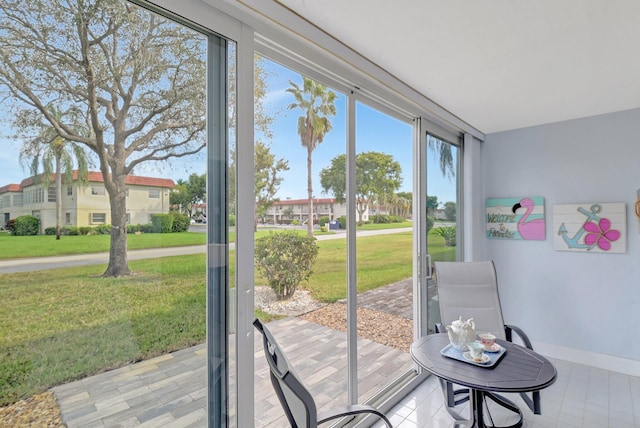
570, 302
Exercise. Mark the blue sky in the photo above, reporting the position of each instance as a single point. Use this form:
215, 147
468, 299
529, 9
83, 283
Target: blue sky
375, 131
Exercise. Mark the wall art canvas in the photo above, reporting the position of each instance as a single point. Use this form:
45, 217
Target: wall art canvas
516, 218
595, 227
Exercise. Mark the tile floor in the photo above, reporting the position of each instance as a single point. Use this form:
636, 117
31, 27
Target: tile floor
582, 396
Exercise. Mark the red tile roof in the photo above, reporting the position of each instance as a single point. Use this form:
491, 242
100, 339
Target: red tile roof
96, 177
305, 201
10, 188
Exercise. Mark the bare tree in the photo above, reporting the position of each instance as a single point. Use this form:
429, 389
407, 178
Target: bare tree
131, 86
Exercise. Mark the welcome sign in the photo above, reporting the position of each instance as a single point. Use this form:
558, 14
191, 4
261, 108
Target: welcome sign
516, 218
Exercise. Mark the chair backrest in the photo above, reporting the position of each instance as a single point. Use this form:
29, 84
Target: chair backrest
296, 401
470, 290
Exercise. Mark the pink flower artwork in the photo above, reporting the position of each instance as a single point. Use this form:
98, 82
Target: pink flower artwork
600, 234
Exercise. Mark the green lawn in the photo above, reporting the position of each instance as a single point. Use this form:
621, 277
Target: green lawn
66, 324
17, 247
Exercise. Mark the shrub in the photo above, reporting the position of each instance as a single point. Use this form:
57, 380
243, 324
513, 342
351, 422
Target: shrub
26, 225
181, 222
322, 221
50, 231
430, 222
162, 223
11, 225
82, 230
285, 259
448, 233
73, 230
232, 220
343, 222
103, 229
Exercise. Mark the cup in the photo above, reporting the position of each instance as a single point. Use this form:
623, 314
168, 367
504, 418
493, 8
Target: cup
487, 339
476, 350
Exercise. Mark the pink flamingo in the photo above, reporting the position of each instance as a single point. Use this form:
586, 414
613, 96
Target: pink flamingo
532, 229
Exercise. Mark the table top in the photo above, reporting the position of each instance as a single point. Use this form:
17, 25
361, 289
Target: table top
519, 370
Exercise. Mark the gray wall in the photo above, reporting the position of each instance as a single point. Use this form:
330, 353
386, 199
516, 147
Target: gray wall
582, 301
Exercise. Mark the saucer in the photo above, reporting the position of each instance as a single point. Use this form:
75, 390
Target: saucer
467, 356
494, 348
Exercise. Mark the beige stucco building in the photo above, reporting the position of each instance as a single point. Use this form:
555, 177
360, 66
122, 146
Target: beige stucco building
84, 205
298, 209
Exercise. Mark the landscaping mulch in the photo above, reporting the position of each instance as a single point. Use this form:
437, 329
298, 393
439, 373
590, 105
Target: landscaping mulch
39, 411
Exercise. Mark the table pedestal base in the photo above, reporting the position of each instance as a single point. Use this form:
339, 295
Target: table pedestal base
477, 400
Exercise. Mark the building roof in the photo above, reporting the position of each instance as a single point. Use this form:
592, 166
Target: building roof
10, 188
96, 177
304, 201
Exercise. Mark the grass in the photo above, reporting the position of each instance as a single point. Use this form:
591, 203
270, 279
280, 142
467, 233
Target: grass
14, 247
65, 324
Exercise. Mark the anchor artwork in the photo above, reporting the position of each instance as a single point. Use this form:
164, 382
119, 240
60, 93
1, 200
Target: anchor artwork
516, 218
596, 228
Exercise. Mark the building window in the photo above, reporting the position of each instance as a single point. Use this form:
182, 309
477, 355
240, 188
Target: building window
128, 220
126, 192
95, 190
98, 218
17, 200
67, 218
69, 190
154, 194
51, 194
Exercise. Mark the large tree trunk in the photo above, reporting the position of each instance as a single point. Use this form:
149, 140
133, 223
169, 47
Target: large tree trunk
309, 193
118, 263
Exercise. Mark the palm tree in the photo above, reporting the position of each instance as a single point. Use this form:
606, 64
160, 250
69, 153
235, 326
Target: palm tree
57, 158
445, 155
317, 103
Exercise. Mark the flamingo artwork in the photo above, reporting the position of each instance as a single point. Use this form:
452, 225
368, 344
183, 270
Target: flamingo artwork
533, 229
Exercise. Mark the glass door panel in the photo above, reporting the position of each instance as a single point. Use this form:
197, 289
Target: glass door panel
310, 323
442, 164
384, 249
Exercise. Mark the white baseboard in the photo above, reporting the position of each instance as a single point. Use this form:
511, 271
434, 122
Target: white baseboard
578, 356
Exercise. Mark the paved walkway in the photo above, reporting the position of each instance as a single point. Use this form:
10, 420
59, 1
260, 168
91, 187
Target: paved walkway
170, 390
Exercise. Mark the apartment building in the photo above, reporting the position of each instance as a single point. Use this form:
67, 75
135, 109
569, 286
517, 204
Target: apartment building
298, 209
83, 204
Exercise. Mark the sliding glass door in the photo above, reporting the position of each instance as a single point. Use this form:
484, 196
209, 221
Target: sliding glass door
442, 208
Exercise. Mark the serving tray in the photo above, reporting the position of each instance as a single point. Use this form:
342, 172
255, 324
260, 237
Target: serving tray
451, 352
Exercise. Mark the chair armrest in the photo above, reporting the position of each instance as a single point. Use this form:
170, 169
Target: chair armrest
521, 334
353, 410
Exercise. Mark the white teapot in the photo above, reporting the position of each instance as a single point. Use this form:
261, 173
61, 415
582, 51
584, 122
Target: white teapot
461, 333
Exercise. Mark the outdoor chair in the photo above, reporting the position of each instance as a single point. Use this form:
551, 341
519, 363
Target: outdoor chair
470, 290
296, 401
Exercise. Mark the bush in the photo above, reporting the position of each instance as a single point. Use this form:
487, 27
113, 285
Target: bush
285, 259
50, 231
82, 230
181, 222
343, 222
74, 231
103, 229
448, 233
11, 225
162, 223
322, 221
26, 225
232, 220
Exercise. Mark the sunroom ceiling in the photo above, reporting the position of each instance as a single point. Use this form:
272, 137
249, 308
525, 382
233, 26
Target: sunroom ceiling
497, 64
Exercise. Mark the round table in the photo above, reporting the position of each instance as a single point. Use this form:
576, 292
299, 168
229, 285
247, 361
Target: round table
519, 370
